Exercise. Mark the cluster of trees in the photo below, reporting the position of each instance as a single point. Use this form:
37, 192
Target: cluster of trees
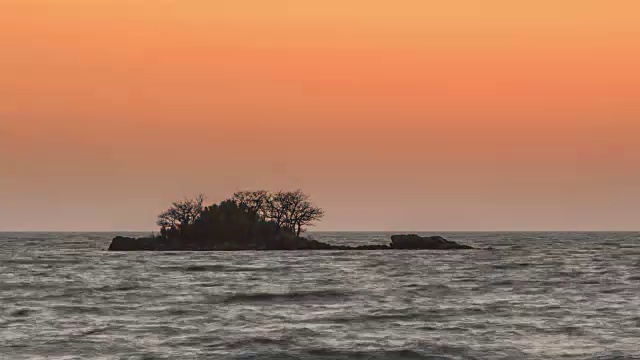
245, 216
181, 213
286, 209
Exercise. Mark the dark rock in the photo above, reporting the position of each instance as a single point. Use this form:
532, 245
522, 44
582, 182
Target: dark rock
121, 243
415, 242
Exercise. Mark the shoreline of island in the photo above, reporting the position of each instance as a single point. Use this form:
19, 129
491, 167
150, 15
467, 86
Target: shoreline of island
255, 221
398, 242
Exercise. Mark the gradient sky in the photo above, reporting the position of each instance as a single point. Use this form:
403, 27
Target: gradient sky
393, 115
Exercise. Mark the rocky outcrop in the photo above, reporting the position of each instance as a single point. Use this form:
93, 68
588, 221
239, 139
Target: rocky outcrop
121, 243
398, 242
415, 242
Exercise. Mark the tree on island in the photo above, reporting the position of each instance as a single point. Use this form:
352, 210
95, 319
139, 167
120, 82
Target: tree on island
254, 201
300, 211
292, 209
254, 220
277, 207
181, 213
247, 217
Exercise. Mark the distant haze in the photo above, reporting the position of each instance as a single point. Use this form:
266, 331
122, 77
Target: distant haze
403, 115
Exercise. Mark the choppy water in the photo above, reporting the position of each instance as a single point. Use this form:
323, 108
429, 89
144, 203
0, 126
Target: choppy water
537, 296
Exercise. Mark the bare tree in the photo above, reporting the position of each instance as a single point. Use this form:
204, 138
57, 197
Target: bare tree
306, 216
300, 211
277, 207
254, 201
166, 219
182, 213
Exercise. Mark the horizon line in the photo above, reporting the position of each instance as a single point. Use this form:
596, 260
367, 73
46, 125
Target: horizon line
342, 231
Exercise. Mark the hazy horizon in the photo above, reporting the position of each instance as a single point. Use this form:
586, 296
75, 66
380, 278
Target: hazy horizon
406, 231
459, 115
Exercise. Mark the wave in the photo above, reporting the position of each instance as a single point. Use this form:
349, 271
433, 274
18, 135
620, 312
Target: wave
290, 296
256, 341
615, 355
24, 285
614, 290
221, 268
41, 261
422, 353
19, 313
79, 309
373, 317
126, 286
179, 310
93, 331
591, 282
203, 268
503, 282
389, 354
512, 266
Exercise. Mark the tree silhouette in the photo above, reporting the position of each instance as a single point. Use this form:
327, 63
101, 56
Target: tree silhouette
300, 211
277, 207
254, 201
247, 216
181, 213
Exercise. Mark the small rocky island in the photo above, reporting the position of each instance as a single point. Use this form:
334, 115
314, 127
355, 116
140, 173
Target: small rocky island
254, 220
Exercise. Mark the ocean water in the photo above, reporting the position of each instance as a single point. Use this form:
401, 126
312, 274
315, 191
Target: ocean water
535, 296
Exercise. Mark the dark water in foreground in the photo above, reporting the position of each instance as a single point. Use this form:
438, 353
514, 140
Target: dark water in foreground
537, 296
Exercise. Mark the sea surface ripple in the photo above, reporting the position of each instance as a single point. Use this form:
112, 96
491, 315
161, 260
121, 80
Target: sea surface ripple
534, 296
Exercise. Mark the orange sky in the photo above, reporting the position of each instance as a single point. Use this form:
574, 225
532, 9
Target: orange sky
394, 115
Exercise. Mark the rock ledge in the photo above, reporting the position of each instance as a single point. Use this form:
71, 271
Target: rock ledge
398, 242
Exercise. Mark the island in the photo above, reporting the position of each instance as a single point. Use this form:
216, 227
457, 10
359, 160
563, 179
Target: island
254, 220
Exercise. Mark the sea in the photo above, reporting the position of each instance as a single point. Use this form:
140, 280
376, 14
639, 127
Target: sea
531, 296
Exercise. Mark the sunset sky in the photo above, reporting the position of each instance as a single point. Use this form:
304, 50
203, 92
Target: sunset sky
393, 115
